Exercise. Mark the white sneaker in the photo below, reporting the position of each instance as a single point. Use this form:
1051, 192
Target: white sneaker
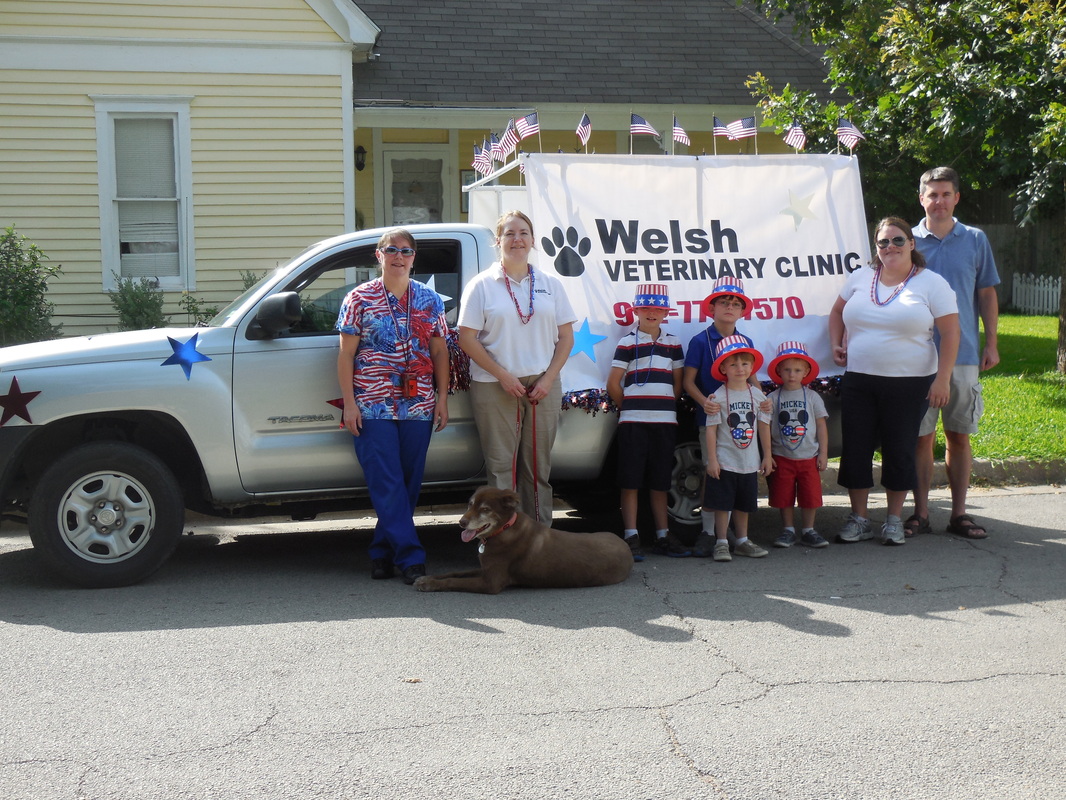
892, 533
855, 529
721, 551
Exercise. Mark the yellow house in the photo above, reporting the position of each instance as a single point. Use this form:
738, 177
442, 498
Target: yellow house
186, 142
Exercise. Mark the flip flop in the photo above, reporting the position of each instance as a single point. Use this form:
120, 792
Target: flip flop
965, 526
915, 525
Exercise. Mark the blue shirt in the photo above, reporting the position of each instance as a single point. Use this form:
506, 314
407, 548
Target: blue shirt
964, 259
700, 354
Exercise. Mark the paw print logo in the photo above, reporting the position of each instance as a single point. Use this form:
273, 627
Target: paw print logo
568, 251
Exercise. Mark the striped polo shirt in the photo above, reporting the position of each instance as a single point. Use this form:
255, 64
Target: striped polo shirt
648, 385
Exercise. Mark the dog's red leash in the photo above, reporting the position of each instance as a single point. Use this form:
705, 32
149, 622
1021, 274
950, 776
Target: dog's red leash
517, 444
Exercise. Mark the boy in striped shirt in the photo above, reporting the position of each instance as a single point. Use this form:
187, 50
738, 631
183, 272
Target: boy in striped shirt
644, 383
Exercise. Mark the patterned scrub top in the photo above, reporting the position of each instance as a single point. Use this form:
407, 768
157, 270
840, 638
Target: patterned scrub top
393, 339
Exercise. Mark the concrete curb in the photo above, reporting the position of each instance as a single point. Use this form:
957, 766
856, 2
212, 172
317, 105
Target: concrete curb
986, 472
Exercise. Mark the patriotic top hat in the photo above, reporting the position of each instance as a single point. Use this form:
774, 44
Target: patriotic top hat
787, 350
730, 346
652, 295
726, 285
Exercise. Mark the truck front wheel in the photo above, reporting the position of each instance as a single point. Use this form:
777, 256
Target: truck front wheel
686, 484
106, 514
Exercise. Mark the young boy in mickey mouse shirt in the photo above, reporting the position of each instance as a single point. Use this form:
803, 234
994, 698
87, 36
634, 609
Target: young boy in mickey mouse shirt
799, 442
734, 437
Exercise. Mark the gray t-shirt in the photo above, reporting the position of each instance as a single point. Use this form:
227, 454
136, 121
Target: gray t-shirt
737, 429
793, 433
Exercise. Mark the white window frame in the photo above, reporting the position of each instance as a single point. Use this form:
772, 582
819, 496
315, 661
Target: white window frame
108, 109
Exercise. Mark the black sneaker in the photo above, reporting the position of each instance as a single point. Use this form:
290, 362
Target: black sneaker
381, 569
634, 547
669, 546
704, 546
413, 573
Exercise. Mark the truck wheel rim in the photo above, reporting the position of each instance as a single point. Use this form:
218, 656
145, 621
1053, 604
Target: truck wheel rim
106, 517
686, 492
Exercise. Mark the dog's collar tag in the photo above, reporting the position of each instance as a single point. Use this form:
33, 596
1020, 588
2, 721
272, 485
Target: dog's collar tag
510, 522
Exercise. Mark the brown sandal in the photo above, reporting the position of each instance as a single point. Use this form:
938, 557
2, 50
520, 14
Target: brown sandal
915, 525
965, 526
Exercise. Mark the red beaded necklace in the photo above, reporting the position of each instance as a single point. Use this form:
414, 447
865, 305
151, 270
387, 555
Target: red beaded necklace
525, 318
895, 292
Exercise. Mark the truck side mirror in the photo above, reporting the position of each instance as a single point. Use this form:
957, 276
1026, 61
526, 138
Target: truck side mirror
276, 314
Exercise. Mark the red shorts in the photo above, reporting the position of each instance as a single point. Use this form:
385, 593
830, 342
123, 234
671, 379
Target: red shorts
795, 477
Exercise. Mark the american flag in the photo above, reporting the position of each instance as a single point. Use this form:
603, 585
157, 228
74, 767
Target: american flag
795, 137
743, 128
527, 126
719, 128
476, 163
483, 160
584, 129
638, 125
509, 140
848, 134
679, 134
494, 151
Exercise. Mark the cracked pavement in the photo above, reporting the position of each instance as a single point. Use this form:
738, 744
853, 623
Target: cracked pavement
262, 663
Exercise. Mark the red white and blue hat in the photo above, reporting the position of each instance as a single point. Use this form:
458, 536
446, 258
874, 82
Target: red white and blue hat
726, 285
652, 295
787, 350
730, 346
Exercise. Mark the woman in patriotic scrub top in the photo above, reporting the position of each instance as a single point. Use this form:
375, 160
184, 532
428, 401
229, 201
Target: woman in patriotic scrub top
393, 374
516, 325
881, 329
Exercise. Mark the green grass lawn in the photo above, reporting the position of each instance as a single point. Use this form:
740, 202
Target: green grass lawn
1025, 399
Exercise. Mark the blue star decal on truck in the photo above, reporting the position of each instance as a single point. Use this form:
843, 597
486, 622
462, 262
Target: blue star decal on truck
185, 354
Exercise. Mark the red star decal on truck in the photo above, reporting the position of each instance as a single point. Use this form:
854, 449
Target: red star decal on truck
14, 403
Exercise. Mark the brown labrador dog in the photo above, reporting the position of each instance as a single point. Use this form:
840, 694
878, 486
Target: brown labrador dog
516, 550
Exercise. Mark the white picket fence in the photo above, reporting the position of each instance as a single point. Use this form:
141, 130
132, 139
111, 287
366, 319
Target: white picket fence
1036, 294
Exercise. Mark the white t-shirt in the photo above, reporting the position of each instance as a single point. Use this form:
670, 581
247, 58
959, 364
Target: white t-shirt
894, 340
521, 349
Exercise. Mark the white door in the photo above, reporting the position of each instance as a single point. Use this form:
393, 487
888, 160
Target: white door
420, 184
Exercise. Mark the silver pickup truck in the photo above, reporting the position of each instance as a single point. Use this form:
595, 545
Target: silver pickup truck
106, 440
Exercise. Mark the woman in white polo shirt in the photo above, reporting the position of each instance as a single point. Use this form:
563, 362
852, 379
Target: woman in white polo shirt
516, 325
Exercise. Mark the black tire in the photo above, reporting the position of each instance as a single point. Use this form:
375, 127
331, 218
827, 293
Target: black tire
106, 514
686, 485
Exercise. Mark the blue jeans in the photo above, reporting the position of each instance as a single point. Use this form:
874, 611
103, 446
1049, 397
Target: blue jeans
393, 456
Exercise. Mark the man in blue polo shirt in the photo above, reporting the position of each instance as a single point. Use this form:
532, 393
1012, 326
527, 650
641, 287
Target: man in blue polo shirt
963, 256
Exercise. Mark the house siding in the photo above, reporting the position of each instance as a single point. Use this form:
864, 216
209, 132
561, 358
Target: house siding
265, 20
268, 145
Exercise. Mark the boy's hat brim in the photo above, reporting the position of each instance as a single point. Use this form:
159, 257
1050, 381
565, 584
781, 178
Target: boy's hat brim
731, 346
708, 301
784, 354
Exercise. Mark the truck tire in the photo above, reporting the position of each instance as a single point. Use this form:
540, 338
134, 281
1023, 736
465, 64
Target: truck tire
106, 514
686, 484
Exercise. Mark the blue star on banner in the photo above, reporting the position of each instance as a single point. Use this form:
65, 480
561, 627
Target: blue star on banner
185, 354
585, 341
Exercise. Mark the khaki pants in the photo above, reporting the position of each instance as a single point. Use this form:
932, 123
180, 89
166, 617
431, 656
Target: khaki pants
505, 426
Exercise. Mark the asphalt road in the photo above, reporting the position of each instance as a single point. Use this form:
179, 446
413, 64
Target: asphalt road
262, 664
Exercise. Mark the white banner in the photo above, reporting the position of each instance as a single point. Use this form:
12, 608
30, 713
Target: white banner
791, 227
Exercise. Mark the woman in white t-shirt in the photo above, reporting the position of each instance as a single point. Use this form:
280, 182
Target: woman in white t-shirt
516, 325
881, 329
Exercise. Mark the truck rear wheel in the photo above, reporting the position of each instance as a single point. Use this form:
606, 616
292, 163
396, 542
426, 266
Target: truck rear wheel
106, 514
686, 484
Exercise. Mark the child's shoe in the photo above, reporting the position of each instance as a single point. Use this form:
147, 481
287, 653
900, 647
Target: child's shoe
787, 538
704, 545
750, 549
811, 538
634, 547
721, 550
669, 546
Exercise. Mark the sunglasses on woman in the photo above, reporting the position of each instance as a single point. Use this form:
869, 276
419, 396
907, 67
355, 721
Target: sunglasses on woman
403, 251
895, 241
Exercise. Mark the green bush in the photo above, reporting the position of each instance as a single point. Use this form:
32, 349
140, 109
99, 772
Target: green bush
199, 312
25, 314
139, 304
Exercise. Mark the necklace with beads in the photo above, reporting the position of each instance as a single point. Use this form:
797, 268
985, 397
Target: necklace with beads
636, 358
740, 438
895, 292
790, 429
525, 318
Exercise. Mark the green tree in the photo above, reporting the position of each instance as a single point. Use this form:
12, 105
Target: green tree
25, 314
977, 84
139, 304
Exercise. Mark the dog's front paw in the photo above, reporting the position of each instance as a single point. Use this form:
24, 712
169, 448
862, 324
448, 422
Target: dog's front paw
426, 584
